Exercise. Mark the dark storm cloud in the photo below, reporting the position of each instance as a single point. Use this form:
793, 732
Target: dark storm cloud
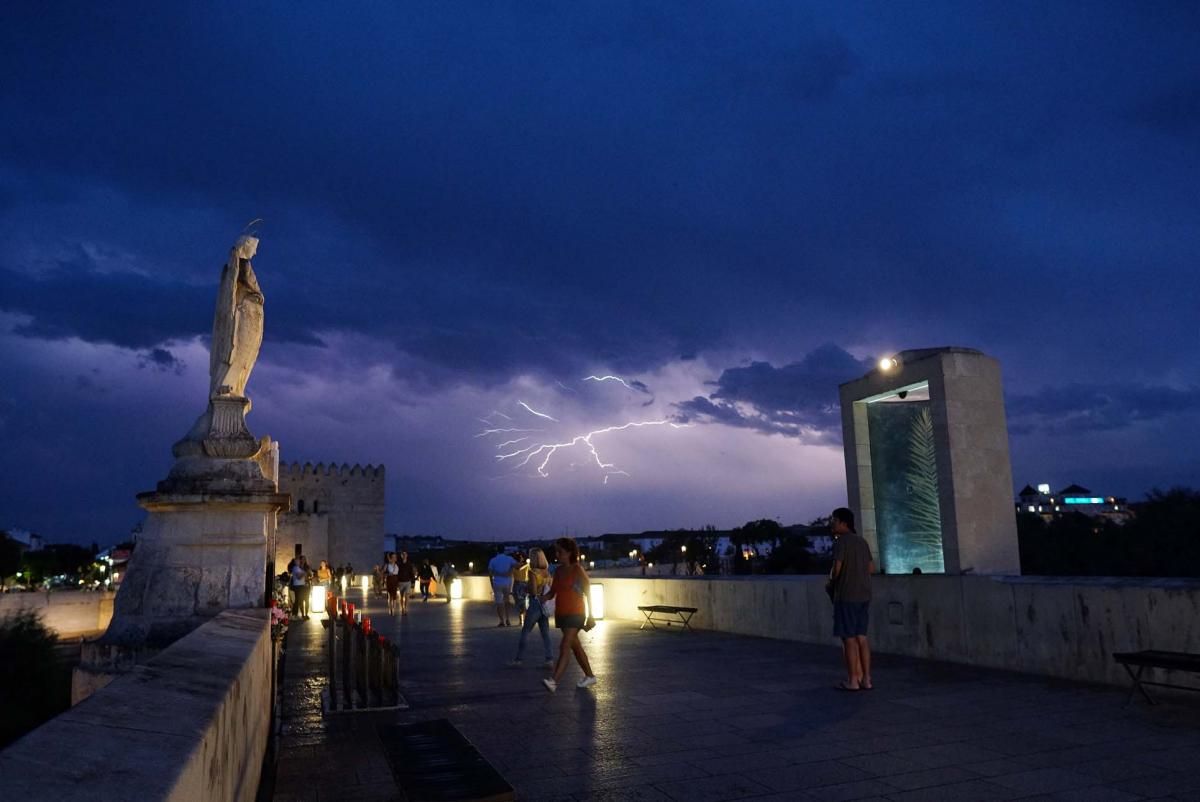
796, 400
75, 298
1079, 408
161, 359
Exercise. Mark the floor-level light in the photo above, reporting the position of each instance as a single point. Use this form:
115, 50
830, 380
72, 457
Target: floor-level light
316, 599
597, 600
366, 584
455, 588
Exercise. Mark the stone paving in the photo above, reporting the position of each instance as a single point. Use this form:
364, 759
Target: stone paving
707, 716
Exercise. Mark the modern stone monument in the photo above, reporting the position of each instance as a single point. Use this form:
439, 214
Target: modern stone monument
927, 463
207, 544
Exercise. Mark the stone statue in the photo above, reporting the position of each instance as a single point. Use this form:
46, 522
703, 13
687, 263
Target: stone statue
237, 335
237, 323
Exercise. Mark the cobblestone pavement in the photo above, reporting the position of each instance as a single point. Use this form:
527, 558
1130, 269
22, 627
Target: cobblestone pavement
707, 716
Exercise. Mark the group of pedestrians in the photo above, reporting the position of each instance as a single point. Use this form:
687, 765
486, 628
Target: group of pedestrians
301, 578
399, 576
529, 587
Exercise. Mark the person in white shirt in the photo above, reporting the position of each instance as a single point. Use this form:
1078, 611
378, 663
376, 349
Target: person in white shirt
500, 568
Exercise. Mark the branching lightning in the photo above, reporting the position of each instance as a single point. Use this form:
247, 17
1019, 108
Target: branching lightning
533, 411
546, 451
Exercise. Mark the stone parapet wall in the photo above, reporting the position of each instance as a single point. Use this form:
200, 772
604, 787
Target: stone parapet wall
1061, 627
192, 724
68, 613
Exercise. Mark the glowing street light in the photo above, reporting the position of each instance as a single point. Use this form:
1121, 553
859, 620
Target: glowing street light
683, 549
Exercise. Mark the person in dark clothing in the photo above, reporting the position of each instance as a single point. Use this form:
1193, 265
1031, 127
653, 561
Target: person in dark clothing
425, 575
853, 565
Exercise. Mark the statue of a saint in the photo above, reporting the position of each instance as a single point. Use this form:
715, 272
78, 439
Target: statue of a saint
236, 338
237, 323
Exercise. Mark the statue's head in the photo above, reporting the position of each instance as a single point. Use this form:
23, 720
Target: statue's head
245, 247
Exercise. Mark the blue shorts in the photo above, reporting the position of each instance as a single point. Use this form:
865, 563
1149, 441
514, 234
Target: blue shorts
850, 619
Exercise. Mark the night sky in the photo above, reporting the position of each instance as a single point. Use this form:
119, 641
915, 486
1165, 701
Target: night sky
731, 206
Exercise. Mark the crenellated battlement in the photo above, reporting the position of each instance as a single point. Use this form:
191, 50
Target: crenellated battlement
297, 470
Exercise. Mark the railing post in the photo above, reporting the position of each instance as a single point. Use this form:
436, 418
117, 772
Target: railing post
332, 659
347, 664
360, 675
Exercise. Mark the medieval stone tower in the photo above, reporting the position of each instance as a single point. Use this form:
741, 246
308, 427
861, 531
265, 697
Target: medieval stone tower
336, 515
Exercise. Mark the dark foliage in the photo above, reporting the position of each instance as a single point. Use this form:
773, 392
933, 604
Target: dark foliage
34, 684
1163, 540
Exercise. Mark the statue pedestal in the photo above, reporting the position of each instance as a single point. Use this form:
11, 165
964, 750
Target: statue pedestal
206, 546
198, 555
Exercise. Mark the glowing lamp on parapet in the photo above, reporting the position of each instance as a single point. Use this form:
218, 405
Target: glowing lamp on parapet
366, 584
888, 364
317, 599
596, 600
455, 589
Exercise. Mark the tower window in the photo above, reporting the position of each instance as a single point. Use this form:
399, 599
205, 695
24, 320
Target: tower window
300, 505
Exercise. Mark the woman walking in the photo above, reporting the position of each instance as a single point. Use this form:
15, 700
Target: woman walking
570, 590
425, 575
539, 586
391, 579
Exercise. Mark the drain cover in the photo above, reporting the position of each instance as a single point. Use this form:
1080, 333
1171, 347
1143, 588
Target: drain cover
433, 762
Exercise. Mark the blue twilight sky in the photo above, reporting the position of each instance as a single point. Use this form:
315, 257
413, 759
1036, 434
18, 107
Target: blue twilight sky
732, 206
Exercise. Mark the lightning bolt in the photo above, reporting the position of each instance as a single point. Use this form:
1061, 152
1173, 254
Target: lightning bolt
533, 411
487, 432
608, 379
546, 451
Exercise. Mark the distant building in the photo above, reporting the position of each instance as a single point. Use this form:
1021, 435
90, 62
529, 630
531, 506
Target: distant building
1042, 501
336, 515
26, 540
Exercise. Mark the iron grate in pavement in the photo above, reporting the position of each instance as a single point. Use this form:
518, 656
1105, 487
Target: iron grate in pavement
433, 762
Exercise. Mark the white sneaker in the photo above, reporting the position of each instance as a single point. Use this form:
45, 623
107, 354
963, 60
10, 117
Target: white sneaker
586, 682
550, 684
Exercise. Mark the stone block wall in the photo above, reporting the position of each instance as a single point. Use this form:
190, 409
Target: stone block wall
342, 518
190, 725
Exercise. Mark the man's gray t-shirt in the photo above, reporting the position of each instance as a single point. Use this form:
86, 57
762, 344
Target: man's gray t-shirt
854, 582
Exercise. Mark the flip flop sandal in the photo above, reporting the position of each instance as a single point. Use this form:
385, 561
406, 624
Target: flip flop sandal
842, 686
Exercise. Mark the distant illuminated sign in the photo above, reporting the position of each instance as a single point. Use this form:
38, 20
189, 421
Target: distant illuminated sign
1082, 500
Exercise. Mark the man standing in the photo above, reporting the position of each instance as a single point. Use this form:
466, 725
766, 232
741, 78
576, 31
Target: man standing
500, 568
407, 573
853, 565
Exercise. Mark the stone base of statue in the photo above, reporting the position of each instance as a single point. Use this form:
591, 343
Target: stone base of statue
207, 545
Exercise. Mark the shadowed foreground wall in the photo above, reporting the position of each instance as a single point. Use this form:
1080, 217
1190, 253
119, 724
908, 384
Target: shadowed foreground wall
191, 724
1055, 626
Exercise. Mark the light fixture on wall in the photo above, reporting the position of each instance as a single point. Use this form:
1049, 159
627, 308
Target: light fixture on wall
456, 588
889, 363
596, 600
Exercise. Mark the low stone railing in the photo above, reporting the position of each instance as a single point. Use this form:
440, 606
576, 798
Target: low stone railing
191, 724
1054, 626
67, 613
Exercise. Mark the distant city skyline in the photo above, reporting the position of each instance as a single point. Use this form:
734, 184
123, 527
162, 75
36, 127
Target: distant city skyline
680, 227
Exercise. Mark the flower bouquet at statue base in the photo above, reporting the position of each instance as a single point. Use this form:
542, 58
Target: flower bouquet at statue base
279, 621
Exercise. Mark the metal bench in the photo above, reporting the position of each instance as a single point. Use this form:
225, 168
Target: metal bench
667, 614
1152, 658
